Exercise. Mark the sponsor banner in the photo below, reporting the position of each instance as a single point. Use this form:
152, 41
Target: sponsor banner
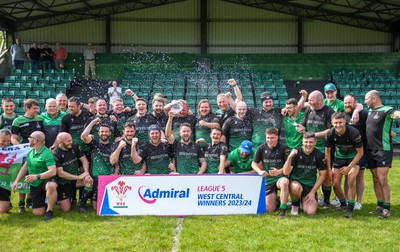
181, 195
11, 159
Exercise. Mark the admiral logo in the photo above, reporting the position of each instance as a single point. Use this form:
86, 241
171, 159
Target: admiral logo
150, 196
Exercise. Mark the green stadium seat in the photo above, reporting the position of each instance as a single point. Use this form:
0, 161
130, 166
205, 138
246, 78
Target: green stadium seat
16, 71
280, 87
31, 78
20, 110
35, 94
20, 79
26, 72
50, 87
20, 94
16, 86
39, 86
59, 73
6, 85
37, 73
48, 72
27, 86
55, 80
10, 78
10, 93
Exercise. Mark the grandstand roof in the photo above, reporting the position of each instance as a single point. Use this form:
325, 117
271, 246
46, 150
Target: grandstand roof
18, 15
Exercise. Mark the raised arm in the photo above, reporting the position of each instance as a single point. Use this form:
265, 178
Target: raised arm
168, 128
85, 134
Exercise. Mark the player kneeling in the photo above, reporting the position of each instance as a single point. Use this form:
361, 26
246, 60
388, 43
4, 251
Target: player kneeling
301, 167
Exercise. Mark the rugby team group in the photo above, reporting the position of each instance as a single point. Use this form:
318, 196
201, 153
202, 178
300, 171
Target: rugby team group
309, 144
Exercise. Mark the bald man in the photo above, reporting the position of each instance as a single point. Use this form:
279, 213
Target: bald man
379, 150
41, 167
70, 175
238, 128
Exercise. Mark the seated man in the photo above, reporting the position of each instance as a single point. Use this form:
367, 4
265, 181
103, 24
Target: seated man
268, 162
301, 166
240, 158
67, 156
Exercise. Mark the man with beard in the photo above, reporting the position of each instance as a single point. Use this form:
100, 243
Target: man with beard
67, 156
301, 166
74, 122
237, 128
121, 114
206, 121
215, 153
142, 120
350, 107
188, 154
268, 162
294, 116
7, 118
22, 128
226, 105
348, 151
317, 119
181, 117
158, 113
100, 151
121, 154
41, 169
157, 155
379, 149
240, 158
51, 123
101, 107
62, 102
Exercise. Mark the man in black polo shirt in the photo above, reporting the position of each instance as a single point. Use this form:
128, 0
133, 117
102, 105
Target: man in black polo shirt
237, 128
268, 162
348, 151
157, 155
302, 166
188, 154
121, 153
100, 151
142, 120
70, 174
215, 153
317, 119
101, 106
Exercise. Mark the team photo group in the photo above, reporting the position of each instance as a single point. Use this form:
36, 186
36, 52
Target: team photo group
312, 152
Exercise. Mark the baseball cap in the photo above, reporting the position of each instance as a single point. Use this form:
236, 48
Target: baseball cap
329, 87
246, 146
266, 96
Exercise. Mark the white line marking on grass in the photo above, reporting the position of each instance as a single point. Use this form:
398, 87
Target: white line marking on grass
177, 234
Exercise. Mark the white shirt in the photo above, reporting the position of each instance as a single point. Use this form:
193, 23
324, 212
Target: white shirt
113, 94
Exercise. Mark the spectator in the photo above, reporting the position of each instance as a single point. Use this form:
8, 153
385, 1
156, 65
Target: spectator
89, 55
17, 54
47, 56
114, 91
60, 56
34, 56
